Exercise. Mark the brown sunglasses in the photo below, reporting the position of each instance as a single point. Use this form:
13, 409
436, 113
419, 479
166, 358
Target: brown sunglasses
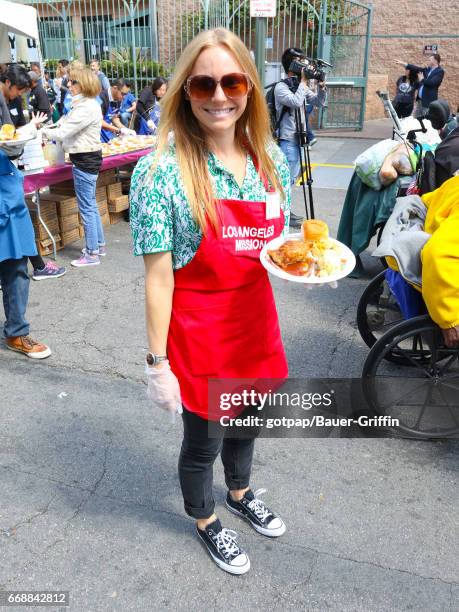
202, 87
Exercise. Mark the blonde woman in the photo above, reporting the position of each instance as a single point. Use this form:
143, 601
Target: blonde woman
79, 133
209, 305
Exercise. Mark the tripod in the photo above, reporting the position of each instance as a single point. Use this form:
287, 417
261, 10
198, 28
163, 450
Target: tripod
305, 160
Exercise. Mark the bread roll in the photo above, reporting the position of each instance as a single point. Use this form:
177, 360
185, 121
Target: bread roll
7, 132
314, 229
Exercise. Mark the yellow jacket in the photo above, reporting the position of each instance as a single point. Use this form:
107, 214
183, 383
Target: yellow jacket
440, 255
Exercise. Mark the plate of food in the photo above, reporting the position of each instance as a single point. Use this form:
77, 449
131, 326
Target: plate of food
10, 136
310, 256
126, 144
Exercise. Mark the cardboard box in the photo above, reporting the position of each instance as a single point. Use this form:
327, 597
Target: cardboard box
106, 177
116, 217
71, 236
45, 247
48, 250
114, 190
40, 232
69, 190
101, 193
48, 210
118, 204
105, 218
69, 222
102, 207
66, 205
81, 231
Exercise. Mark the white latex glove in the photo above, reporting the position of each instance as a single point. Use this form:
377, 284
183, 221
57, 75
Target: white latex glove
124, 131
163, 388
331, 284
151, 125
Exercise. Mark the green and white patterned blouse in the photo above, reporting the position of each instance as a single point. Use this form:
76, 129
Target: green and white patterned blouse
160, 215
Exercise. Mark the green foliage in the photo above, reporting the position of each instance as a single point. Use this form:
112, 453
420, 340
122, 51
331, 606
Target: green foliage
121, 65
51, 64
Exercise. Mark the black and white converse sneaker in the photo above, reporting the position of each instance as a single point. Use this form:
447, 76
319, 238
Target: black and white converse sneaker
222, 547
256, 512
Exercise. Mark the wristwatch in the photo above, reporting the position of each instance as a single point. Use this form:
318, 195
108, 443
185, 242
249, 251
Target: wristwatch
153, 360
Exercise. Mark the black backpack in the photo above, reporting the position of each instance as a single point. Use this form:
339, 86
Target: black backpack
271, 102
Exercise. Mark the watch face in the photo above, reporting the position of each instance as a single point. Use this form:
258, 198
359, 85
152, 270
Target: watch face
155, 359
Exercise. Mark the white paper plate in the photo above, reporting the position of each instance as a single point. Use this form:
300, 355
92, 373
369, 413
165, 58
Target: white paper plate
267, 263
17, 141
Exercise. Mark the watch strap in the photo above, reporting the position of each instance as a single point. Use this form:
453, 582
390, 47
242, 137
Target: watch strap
153, 359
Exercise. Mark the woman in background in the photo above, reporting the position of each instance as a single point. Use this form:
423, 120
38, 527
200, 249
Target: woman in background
407, 85
148, 107
79, 133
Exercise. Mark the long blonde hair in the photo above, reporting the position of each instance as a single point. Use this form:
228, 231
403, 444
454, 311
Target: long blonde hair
252, 128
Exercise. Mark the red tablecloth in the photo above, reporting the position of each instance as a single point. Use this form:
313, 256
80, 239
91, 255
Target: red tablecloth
58, 174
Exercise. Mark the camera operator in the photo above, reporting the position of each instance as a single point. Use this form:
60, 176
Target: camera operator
290, 94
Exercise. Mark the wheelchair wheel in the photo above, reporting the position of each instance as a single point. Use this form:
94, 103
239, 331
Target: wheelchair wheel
423, 395
377, 312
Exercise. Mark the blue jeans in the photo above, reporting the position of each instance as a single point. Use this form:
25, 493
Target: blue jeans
125, 118
15, 287
290, 150
85, 190
309, 133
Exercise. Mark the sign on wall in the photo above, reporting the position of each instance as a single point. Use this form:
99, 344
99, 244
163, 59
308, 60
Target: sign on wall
430, 49
263, 8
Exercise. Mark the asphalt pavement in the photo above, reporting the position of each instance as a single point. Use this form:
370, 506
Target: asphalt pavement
90, 501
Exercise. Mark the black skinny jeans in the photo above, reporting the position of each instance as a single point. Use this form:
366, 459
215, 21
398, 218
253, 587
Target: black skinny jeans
197, 456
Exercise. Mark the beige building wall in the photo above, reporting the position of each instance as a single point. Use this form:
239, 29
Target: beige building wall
400, 30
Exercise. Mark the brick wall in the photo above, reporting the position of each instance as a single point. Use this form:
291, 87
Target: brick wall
408, 22
374, 107
173, 33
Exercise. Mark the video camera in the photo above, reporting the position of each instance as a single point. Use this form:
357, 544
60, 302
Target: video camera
312, 69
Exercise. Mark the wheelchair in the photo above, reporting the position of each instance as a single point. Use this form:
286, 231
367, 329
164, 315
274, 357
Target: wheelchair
409, 373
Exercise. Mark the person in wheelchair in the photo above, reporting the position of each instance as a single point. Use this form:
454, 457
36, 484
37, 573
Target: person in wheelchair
366, 210
421, 245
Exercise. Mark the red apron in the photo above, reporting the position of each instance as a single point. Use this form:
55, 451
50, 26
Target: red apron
224, 321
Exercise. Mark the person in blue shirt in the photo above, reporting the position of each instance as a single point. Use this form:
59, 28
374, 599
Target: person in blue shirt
128, 104
104, 82
17, 243
67, 103
110, 103
60, 84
